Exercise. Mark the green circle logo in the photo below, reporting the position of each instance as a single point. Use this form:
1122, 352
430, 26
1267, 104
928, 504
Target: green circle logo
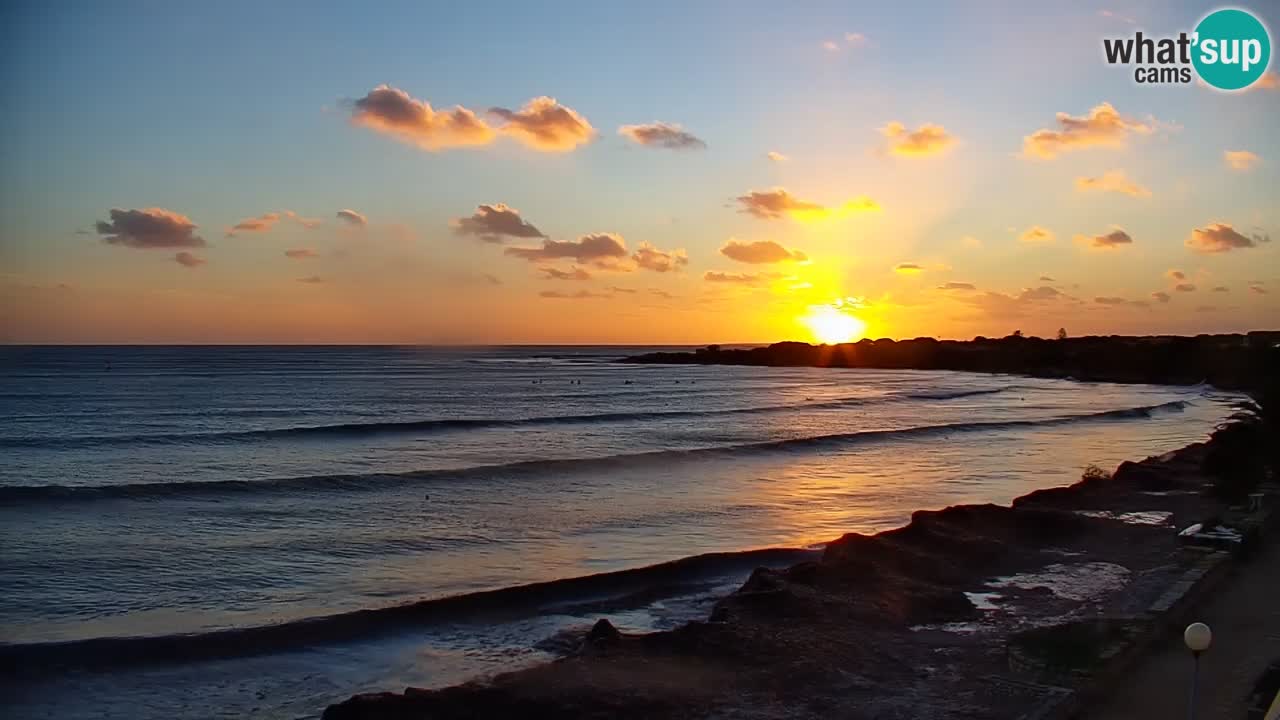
1232, 49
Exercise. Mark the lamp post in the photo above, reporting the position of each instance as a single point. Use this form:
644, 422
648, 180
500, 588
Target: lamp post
1198, 637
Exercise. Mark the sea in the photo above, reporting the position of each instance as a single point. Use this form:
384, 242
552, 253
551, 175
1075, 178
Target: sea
208, 532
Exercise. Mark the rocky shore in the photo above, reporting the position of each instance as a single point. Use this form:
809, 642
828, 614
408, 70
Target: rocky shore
974, 611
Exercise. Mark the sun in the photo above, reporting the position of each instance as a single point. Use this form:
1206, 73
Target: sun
832, 326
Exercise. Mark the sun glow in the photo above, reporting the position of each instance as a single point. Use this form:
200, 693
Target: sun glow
833, 325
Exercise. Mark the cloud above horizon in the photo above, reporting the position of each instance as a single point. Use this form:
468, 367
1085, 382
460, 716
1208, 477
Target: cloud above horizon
496, 223
740, 278
928, 139
189, 260
1104, 126
1036, 234
1240, 160
957, 286
1222, 237
760, 252
259, 224
574, 273
546, 125
602, 250
1160, 296
662, 135
1111, 240
651, 258
777, 203
301, 253
542, 123
1112, 181
579, 295
1119, 301
149, 228
394, 112
908, 269
352, 217
776, 156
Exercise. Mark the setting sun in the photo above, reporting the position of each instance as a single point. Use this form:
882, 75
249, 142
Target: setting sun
832, 326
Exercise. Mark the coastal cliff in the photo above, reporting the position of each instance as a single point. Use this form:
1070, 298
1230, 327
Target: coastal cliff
1226, 361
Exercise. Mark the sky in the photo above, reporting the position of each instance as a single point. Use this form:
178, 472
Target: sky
622, 173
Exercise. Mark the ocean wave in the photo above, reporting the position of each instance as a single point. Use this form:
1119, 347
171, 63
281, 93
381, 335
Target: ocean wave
425, 427
29, 494
608, 592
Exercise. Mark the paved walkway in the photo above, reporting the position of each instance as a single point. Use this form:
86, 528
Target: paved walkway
1244, 615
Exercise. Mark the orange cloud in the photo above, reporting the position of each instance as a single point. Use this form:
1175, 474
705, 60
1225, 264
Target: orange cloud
776, 156
928, 139
580, 295
352, 217
311, 280
908, 268
651, 258
1036, 234
262, 223
740, 278
495, 223
1241, 160
1112, 181
1160, 296
957, 286
149, 228
1121, 301
187, 259
544, 124
664, 135
1103, 126
1184, 287
1175, 275
301, 253
599, 249
760, 252
1113, 239
778, 203
308, 223
576, 273
1221, 237
393, 112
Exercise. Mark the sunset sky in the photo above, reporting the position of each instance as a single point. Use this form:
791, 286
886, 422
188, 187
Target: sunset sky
600, 172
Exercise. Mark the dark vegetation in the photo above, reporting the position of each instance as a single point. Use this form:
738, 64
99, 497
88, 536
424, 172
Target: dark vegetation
1236, 362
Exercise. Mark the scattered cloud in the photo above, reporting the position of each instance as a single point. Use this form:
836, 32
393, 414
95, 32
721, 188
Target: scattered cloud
1112, 181
308, 223
187, 259
259, 224
1116, 301
1111, 240
1046, 278
957, 286
575, 273
830, 45
971, 242
760, 252
1241, 160
908, 268
602, 250
149, 228
1257, 289
1221, 237
1103, 126
1185, 287
1222, 288
740, 278
311, 280
579, 295
651, 258
301, 253
776, 156
778, 203
1160, 296
1175, 275
1206, 308
1044, 292
928, 139
663, 135
855, 39
1115, 16
1036, 234
394, 112
352, 217
544, 124
495, 223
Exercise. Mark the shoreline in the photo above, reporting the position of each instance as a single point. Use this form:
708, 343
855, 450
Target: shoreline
936, 604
